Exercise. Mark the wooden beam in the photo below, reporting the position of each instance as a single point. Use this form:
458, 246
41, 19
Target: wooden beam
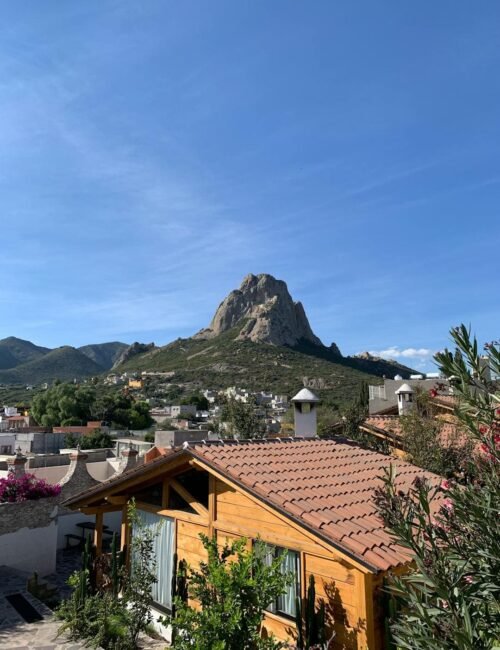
119, 500
163, 469
93, 510
211, 504
165, 494
187, 496
98, 532
193, 518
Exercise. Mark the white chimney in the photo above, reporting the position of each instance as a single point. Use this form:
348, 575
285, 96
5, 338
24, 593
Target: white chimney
405, 399
304, 408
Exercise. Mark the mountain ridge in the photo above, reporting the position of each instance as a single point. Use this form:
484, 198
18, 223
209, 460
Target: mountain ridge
258, 336
249, 343
269, 313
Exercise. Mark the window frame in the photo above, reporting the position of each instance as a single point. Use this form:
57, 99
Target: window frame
273, 608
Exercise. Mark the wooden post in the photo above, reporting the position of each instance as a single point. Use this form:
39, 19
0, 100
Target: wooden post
98, 532
125, 532
211, 505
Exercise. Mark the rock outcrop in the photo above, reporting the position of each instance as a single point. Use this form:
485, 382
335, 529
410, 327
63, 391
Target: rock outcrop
265, 312
132, 351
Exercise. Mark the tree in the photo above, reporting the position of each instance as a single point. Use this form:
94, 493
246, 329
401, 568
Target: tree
450, 597
70, 404
424, 446
233, 589
63, 405
199, 400
98, 439
240, 419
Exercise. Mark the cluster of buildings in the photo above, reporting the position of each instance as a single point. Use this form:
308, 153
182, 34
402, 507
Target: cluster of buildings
312, 497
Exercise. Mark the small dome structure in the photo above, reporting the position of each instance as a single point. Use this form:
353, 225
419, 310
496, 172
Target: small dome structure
304, 409
404, 388
405, 399
305, 395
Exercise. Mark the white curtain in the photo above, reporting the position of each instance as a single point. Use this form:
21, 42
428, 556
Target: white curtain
286, 602
164, 553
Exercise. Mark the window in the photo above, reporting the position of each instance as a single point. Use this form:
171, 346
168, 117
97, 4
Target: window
6, 449
196, 483
285, 605
164, 553
151, 494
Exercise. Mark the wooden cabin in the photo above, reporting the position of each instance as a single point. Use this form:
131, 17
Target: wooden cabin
312, 497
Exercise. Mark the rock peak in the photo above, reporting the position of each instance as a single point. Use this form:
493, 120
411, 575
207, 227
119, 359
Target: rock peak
265, 312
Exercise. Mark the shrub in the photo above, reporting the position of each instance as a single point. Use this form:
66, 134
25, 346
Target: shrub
233, 589
450, 598
111, 612
26, 488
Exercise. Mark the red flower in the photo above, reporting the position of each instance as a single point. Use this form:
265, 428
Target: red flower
433, 392
445, 485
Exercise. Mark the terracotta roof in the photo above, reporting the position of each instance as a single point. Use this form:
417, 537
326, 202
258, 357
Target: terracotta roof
325, 485
386, 423
449, 401
450, 432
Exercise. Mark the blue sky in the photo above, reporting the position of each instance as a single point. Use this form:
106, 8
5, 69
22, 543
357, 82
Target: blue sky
153, 153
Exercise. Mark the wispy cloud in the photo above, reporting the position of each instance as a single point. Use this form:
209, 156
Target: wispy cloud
420, 358
394, 352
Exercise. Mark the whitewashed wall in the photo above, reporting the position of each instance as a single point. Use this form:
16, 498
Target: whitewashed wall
30, 549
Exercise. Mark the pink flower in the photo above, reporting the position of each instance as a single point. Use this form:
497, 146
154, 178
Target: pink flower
445, 485
469, 580
433, 392
486, 451
447, 505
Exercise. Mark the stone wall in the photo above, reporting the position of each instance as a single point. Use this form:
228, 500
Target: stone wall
27, 514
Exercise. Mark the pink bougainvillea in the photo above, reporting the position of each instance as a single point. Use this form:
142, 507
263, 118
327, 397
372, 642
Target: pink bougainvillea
26, 488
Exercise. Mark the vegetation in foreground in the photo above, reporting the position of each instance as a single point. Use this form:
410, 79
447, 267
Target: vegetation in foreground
451, 598
110, 607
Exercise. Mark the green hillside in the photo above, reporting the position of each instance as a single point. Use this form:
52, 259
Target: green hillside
224, 361
104, 354
14, 352
63, 363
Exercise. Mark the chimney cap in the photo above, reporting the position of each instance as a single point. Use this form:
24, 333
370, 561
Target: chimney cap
405, 388
305, 395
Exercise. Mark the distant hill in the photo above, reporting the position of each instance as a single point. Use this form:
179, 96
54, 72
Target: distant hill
14, 352
104, 354
260, 338
64, 363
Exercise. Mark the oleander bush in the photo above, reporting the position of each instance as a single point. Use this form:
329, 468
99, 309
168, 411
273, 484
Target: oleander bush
450, 598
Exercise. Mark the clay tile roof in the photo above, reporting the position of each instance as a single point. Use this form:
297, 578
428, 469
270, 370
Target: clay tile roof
326, 485
387, 423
